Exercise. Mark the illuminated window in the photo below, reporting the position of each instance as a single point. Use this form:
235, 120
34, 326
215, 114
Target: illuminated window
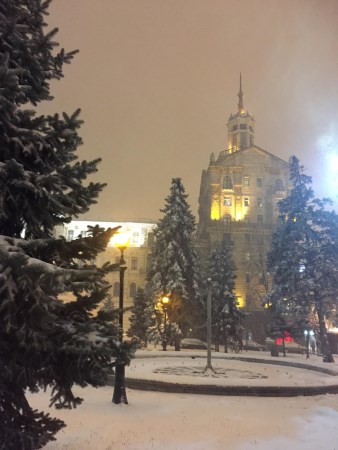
136, 237
70, 235
132, 290
259, 182
134, 262
116, 291
247, 257
227, 183
246, 181
246, 201
227, 201
259, 202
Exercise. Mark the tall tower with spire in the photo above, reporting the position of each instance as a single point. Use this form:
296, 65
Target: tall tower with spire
240, 126
239, 194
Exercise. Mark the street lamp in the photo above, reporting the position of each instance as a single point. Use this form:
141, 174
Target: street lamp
165, 301
121, 241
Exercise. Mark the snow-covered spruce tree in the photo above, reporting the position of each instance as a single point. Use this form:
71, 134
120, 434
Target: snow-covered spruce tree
44, 341
226, 317
141, 317
303, 258
175, 269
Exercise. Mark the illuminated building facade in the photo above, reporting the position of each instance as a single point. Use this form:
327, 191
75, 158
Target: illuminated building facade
238, 202
136, 255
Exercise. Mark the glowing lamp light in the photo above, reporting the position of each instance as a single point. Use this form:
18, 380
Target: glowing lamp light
120, 240
165, 300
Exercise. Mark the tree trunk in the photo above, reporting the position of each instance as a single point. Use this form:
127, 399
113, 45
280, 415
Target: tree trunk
225, 338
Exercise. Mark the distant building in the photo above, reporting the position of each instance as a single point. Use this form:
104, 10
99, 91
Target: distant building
238, 202
136, 255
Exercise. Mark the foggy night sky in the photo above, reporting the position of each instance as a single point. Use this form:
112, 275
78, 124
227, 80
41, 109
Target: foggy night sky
157, 80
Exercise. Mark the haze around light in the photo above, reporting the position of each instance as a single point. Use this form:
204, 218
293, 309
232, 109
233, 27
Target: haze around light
157, 80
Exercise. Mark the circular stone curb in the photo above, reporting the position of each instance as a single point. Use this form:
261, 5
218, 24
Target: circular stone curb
234, 390
209, 389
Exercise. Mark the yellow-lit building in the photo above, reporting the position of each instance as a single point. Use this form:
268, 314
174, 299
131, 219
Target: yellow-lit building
238, 202
136, 255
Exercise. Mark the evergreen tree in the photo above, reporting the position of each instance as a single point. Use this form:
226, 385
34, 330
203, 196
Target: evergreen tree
44, 342
226, 317
175, 270
141, 317
303, 257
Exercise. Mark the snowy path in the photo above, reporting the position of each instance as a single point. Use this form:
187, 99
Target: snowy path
154, 420
196, 422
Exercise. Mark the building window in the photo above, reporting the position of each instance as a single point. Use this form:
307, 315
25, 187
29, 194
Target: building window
247, 278
246, 181
227, 201
242, 126
134, 262
227, 218
259, 202
259, 219
279, 186
246, 219
151, 239
234, 128
261, 279
136, 237
70, 235
243, 140
246, 201
116, 292
247, 257
247, 238
259, 182
227, 183
132, 290
277, 203
227, 238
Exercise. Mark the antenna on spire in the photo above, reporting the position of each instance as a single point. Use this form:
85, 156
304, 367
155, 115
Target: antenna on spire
240, 96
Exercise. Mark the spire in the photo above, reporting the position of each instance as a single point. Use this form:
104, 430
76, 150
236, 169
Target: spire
240, 96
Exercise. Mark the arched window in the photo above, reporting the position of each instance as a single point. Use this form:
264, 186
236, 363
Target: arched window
227, 183
279, 185
132, 290
116, 291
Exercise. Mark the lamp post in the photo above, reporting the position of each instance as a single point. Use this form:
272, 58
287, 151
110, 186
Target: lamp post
307, 342
121, 241
165, 301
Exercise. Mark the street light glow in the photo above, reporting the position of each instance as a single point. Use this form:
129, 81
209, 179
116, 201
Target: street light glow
120, 240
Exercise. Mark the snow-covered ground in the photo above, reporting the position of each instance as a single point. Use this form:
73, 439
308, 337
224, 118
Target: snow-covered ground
155, 420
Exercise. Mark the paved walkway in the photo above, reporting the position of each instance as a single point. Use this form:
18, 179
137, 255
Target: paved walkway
247, 373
